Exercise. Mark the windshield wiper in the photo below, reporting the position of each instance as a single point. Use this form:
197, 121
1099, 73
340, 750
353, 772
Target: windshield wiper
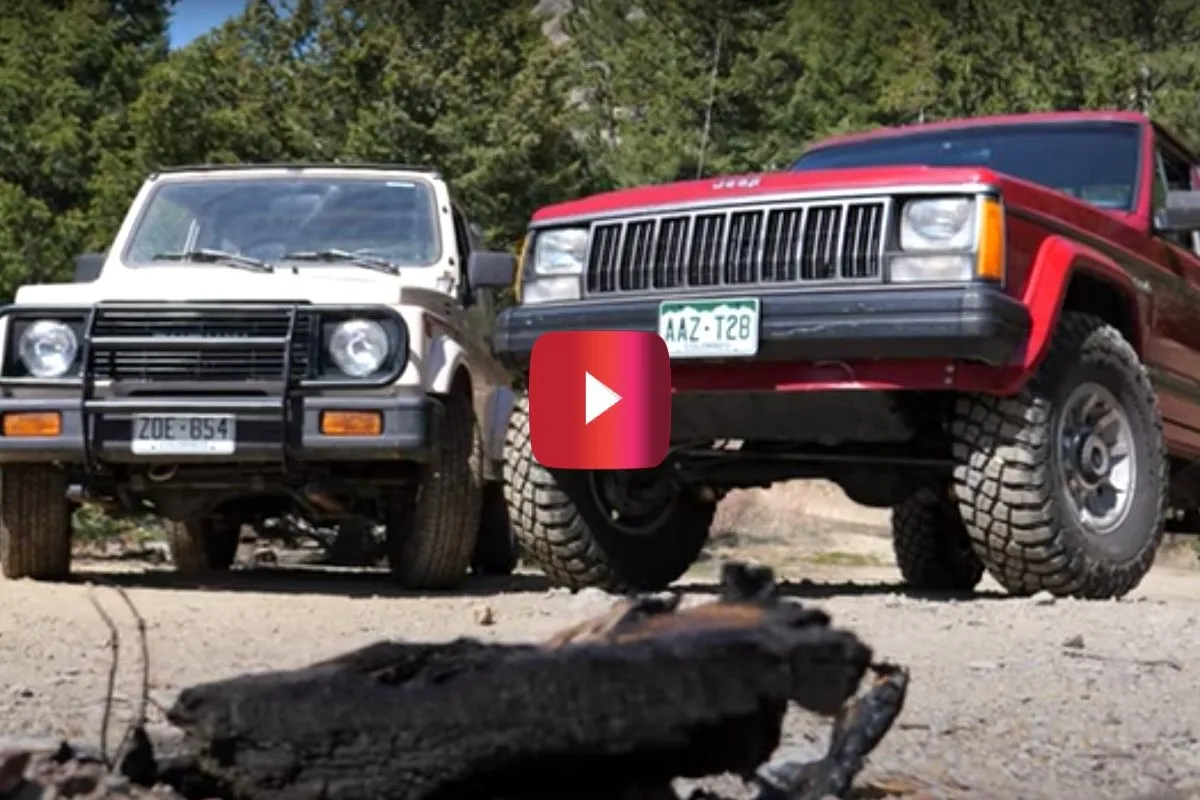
221, 257
357, 259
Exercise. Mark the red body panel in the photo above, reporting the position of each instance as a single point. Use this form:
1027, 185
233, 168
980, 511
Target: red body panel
753, 186
1050, 238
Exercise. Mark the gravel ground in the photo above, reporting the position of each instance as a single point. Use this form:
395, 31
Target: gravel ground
1009, 697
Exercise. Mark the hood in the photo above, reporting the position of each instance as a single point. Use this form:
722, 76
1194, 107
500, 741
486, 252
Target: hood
730, 188
208, 282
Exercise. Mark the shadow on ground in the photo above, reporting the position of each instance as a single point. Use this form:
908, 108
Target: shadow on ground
822, 590
299, 580
359, 582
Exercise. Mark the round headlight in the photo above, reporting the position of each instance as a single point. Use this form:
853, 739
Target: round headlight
48, 348
359, 347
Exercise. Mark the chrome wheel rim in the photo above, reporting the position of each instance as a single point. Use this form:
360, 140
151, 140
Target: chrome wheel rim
1097, 457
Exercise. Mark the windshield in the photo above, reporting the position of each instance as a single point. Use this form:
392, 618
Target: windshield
1095, 162
266, 218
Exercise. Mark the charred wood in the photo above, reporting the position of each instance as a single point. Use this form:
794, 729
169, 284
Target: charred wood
615, 707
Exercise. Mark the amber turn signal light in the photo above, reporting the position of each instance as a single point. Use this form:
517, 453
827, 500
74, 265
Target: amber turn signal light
33, 423
990, 265
351, 423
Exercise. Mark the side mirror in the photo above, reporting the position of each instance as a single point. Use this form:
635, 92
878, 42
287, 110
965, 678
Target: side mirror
88, 267
491, 269
1182, 214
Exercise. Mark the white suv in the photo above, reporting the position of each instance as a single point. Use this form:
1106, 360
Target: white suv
259, 341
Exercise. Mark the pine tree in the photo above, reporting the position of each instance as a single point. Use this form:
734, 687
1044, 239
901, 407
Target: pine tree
71, 71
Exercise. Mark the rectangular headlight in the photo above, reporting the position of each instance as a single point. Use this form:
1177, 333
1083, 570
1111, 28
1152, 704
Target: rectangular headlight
940, 223
560, 251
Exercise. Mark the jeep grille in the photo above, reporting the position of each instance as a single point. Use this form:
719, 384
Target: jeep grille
807, 243
134, 345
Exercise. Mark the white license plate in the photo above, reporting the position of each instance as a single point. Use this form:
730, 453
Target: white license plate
184, 434
709, 328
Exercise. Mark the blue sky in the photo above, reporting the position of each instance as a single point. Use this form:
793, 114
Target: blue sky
193, 18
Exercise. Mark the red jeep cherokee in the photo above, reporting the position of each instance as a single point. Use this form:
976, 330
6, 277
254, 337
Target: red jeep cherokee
989, 325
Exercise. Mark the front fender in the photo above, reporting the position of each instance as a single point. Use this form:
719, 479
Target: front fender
1057, 261
443, 357
498, 409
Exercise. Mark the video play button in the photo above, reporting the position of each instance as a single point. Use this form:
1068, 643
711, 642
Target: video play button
597, 398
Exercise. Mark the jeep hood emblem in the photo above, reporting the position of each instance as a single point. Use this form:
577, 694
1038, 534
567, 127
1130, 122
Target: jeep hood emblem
736, 183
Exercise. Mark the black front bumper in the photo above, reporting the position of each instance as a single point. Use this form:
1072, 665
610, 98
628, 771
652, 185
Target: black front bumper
101, 431
972, 323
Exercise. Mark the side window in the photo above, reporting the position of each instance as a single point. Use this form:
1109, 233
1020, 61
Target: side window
1174, 172
1174, 175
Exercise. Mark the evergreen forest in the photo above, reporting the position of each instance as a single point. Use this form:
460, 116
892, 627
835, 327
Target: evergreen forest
526, 103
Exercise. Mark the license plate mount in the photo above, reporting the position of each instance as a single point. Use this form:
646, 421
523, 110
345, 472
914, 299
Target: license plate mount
710, 328
184, 434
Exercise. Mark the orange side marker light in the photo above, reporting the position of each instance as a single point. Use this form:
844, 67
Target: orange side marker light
990, 265
33, 423
351, 423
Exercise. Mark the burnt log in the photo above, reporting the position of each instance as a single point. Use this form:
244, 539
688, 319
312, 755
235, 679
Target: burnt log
616, 707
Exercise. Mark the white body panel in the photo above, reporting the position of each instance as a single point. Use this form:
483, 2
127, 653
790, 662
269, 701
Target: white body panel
442, 344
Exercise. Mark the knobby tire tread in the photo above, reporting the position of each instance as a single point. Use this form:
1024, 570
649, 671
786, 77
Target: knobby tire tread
1004, 480
553, 534
932, 548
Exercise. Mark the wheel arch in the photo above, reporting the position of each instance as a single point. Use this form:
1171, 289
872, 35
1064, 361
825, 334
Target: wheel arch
460, 382
451, 370
444, 359
497, 411
1093, 292
1071, 276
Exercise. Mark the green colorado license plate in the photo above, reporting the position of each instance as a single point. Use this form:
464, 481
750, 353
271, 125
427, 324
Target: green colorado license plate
710, 328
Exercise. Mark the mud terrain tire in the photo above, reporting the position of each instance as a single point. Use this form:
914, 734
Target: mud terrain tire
35, 522
199, 546
431, 547
495, 548
1013, 461
933, 550
561, 529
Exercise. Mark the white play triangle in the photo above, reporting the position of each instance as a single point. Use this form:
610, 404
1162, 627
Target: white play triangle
597, 398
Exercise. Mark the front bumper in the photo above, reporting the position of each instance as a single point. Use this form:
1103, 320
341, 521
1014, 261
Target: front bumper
101, 430
257, 363
971, 323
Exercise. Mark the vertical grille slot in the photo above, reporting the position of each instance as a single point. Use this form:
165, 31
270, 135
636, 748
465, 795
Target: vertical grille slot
818, 254
670, 252
707, 238
863, 241
774, 245
636, 251
742, 248
603, 257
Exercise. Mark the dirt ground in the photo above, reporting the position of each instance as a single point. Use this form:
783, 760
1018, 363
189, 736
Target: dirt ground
1009, 698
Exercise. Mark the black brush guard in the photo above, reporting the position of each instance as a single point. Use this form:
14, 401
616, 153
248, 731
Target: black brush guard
271, 392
